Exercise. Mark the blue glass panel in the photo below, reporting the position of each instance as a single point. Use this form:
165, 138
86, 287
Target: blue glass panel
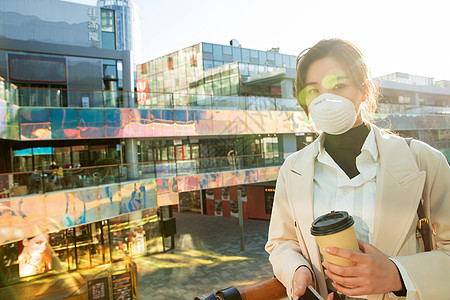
34, 115
108, 40
146, 116
245, 55
92, 123
207, 47
262, 57
207, 64
35, 123
278, 60
217, 52
227, 50
23, 152
64, 123
113, 121
43, 151
292, 62
286, 60
217, 63
182, 116
236, 53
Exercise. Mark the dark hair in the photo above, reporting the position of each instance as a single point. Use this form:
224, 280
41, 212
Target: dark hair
350, 57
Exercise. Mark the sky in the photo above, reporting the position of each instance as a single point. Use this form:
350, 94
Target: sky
394, 35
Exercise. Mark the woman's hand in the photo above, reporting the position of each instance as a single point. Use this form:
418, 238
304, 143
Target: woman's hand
374, 272
303, 278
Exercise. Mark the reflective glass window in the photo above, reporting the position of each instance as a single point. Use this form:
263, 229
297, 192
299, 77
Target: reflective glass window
217, 89
207, 47
108, 20
226, 89
207, 64
234, 85
252, 69
286, 61
108, 40
217, 63
217, 52
208, 75
254, 56
262, 69
216, 73
262, 57
227, 50
236, 53
208, 56
227, 58
159, 65
110, 71
243, 69
245, 55
292, 61
278, 60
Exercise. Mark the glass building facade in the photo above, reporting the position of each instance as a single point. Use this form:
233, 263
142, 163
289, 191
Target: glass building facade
204, 70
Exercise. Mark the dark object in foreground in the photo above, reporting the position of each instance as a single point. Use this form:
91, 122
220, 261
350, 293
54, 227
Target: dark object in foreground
269, 289
311, 294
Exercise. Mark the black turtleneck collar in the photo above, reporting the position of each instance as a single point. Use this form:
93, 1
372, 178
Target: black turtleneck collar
345, 147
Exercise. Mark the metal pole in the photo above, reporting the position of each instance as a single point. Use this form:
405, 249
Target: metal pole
241, 219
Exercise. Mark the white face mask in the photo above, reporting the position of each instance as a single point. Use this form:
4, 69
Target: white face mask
333, 114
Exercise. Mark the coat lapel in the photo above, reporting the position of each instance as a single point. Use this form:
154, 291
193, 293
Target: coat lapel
301, 187
398, 192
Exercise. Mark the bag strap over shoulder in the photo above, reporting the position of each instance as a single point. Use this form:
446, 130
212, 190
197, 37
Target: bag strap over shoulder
424, 223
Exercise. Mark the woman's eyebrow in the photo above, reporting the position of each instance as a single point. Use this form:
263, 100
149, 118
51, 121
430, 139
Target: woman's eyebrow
311, 83
315, 83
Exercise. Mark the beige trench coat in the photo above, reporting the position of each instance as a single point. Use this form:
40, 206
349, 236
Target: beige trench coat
405, 175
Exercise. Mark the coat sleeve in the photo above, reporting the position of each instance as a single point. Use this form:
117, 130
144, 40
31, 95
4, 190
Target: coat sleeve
282, 245
429, 271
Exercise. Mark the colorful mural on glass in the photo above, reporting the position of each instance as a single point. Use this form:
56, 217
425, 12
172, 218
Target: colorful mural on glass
74, 123
38, 123
23, 217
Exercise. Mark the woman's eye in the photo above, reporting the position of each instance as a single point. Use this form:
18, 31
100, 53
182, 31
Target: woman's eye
312, 91
339, 86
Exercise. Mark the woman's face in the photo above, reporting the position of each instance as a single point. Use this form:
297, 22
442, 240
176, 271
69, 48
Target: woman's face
36, 245
327, 75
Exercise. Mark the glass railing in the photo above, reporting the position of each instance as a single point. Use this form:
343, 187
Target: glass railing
388, 108
184, 101
8, 92
46, 181
41, 97
45, 97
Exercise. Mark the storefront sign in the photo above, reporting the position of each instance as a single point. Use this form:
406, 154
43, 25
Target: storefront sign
122, 288
98, 289
142, 90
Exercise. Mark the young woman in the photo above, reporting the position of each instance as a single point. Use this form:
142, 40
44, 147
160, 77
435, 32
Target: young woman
35, 257
373, 175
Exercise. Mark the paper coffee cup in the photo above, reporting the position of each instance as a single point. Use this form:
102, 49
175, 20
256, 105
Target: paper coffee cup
335, 229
